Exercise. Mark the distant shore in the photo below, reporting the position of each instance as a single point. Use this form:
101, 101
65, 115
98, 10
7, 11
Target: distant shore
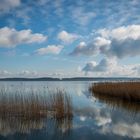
72, 79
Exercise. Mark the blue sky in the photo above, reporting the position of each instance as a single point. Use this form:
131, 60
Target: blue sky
68, 38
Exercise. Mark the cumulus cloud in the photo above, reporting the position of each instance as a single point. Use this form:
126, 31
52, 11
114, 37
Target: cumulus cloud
50, 49
110, 67
66, 37
102, 66
7, 5
91, 48
10, 37
119, 42
122, 33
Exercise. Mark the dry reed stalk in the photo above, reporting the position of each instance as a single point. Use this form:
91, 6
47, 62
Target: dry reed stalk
57, 104
120, 90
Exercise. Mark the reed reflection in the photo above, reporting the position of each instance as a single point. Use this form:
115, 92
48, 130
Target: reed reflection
132, 107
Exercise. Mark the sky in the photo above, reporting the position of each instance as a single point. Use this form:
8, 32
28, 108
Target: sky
69, 38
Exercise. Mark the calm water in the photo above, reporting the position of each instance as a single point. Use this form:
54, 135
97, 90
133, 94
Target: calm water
94, 118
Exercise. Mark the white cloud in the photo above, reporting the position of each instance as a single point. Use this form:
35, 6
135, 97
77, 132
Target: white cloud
81, 16
27, 73
7, 5
92, 48
103, 66
4, 73
10, 37
122, 33
119, 42
24, 14
23, 73
110, 67
125, 41
67, 37
50, 49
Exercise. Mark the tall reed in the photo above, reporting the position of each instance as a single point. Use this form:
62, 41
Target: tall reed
22, 110
129, 91
57, 105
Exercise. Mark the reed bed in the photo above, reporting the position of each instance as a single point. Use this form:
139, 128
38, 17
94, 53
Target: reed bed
129, 91
23, 109
56, 105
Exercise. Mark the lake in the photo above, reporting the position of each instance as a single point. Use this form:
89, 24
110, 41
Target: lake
93, 117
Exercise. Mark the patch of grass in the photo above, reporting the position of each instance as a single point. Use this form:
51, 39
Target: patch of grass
129, 91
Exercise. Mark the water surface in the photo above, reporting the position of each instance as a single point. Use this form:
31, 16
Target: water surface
93, 117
